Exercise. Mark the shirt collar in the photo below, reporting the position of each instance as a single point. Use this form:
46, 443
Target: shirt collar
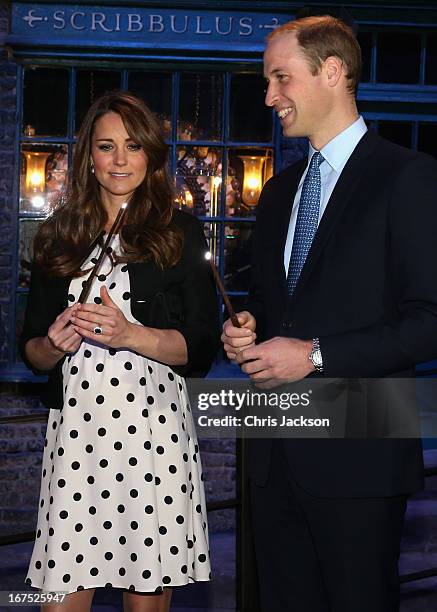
339, 149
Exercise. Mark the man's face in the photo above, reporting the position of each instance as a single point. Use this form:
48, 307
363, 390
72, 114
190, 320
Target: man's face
301, 100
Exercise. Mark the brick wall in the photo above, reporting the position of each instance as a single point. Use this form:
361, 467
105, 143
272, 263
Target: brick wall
219, 463
21, 446
8, 111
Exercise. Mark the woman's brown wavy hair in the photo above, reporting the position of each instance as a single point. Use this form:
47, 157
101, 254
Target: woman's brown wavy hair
63, 240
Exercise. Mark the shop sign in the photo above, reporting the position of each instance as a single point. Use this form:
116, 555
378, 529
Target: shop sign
138, 26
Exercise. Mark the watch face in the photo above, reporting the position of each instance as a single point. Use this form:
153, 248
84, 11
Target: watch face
317, 358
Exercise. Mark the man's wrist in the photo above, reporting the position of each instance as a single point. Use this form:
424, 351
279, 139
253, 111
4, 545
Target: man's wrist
315, 356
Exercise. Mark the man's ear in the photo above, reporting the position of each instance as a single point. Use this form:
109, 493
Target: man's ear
333, 68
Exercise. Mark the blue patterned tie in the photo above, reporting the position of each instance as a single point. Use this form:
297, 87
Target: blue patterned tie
307, 221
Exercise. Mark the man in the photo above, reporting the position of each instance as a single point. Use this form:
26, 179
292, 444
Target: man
343, 285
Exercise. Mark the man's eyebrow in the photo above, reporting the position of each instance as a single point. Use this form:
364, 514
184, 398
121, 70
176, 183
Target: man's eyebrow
274, 72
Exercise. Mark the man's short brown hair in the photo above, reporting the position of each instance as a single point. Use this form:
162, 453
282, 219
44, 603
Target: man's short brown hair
323, 37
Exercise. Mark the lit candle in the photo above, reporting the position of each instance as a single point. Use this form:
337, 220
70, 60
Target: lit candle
222, 290
88, 283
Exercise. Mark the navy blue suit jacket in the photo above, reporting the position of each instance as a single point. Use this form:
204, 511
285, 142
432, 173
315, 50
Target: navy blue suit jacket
367, 290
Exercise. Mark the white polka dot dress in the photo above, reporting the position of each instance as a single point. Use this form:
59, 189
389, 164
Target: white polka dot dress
122, 503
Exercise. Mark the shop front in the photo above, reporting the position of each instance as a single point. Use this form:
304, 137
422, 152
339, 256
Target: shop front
199, 67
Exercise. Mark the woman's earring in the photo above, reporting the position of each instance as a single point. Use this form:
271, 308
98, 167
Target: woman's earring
92, 167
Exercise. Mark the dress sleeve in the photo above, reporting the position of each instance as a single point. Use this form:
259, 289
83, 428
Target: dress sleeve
44, 303
200, 326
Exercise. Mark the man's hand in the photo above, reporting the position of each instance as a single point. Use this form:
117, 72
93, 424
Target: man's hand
236, 339
277, 361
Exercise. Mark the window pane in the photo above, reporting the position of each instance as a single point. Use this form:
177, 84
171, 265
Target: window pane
398, 58
248, 170
293, 150
212, 235
19, 320
397, 131
155, 88
45, 102
431, 60
198, 180
427, 141
239, 303
365, 40
43, 176
386, 108
238, 244
90, 84
200, 107
250, 118
27, 231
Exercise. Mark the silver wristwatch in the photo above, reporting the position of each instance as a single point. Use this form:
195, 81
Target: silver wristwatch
316, 356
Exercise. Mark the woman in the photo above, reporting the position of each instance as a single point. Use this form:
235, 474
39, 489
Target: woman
122, 503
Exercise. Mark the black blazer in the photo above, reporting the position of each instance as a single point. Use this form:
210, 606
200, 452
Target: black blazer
367, 290
182, 297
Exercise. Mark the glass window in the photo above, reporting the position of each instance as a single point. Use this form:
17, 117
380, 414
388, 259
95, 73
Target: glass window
398, 58
45, 104
404, 107
238, 246
431, 60
90, 84
248, 170
427, 141
365, 40
198, 180
399, 132
27, 231
239, 303
155, 88
44, 169
19, 320
200, 106
292, 150
250, 118
212, 235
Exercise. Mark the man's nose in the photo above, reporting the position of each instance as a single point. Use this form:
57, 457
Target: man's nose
271, 95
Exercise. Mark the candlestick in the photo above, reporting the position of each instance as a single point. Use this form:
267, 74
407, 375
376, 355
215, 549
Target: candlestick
88, 283
221, 288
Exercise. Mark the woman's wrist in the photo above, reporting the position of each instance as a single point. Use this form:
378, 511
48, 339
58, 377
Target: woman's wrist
52, 350
134, 336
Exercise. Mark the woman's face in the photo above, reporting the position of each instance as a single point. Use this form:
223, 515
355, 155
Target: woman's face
120, 163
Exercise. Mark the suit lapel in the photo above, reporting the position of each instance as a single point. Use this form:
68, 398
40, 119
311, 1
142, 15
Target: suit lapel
343, 192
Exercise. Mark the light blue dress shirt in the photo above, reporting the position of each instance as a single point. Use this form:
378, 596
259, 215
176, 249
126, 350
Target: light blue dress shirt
336, 154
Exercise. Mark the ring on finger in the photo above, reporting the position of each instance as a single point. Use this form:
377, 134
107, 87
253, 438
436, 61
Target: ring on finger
98, 329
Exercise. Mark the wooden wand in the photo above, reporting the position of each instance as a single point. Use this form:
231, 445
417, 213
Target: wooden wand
222, 290
88, 283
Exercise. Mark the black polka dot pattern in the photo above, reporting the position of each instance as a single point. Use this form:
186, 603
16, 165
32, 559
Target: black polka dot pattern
121, 498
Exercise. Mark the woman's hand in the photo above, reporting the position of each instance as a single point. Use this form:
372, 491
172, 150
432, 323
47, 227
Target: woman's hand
61, 335
44, 352
116, 329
